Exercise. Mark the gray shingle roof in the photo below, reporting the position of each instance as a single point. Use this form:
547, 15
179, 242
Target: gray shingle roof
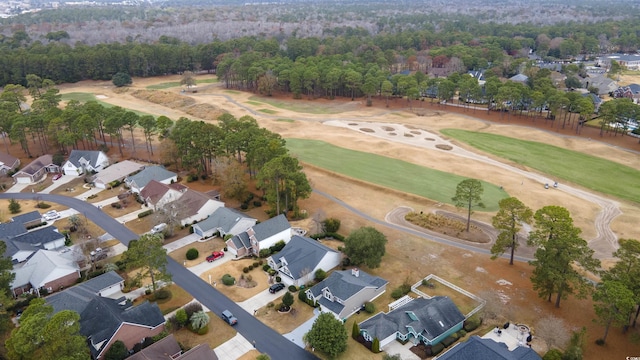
271, 227
90, 156
101, 317
39, 237
37, 164
223, 218
478, 348
433, 317
28, 217
11, 229
158, 173
343, 284
302, 254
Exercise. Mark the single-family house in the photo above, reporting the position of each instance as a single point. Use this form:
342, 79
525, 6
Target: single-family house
224, 221
192, 206
168, 348
36, 170
299, 260
138, 181
115, 172
156, 194
29, 219
600, 82
519, 78
630, 61
105, 320
595, 99
21, 244
8, 163
478, 348
46, 269
85, 161
420, 320
261, 236
344, 292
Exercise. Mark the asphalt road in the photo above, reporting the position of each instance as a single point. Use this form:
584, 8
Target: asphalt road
267, 340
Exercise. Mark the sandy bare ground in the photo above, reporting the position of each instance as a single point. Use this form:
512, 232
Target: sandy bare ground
403, 135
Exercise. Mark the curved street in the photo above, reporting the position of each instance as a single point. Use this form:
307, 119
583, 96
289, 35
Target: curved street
267, 340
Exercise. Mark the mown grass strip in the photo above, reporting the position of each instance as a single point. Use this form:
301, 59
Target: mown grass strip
391, 173
592, 172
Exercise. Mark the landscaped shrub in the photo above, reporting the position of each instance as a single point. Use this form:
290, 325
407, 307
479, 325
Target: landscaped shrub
192, 308
272, 272
266, 267
292, 288
437, 349
302, 296
116, 205
600, 342
255, 264
471, 324
553, 354
192, 254
192, 178
250, 267
228, 279
375, 346
397, 294
369, 307
278, 279
462, 333
162, 294
260, 262
320, 275
277, 246
43, 205
244, 206
257, 203
145, 213
36, 225
331, 225
264, 253
181, 317
448, 341
203, 330
245, 269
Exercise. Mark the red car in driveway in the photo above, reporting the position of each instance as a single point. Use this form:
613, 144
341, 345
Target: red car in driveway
56, 177
215, 256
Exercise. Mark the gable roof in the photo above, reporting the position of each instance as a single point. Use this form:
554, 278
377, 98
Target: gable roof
39, 237
117, 171
77, 298
158, 173
271, 227
8, 160
90, 156
519, 78
154, 191
28, 217
343, 284
225, 219
101, 317
168, 348
37, 164
191, 201
44, 266
302, 254
478, 348
12, 229
428, 317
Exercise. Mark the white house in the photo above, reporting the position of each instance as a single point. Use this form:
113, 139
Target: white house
261, 236
224, 221
299, 260
81, 161
22, 244
138, 181
8, 163
50, 270
156, 194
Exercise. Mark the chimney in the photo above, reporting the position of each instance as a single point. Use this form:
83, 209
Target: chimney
355, 272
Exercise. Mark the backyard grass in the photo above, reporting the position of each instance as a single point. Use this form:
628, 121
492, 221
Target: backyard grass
219, 333
589, 171
301, 107
464, 303
391, 173
268, 111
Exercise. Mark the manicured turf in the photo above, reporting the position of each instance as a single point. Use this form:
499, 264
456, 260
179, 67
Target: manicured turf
170, 84
589, 171
84, 97
268, 111
254, 103
301, 107
286, 120
391, 173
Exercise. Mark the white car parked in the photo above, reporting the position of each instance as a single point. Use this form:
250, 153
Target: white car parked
51, 215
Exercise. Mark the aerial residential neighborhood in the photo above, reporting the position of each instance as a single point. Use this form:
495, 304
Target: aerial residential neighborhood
204, 179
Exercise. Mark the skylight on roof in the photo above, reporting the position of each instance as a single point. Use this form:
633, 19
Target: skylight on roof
412, 316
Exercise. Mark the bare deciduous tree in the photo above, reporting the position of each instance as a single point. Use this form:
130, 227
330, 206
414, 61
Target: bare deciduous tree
553, 331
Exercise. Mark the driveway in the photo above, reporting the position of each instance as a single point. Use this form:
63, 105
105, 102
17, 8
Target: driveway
16, 188
404, 351
260, 300
57, 183
296, 335
233, 348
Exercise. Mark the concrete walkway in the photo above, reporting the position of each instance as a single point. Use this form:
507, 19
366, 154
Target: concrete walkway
234, 348
296, 335
86, 194
395, 347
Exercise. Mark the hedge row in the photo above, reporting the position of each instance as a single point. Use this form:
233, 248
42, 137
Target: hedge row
145, 213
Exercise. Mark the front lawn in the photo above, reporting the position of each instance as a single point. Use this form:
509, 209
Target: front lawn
285, 322
391, 173
219, 332
586, 170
